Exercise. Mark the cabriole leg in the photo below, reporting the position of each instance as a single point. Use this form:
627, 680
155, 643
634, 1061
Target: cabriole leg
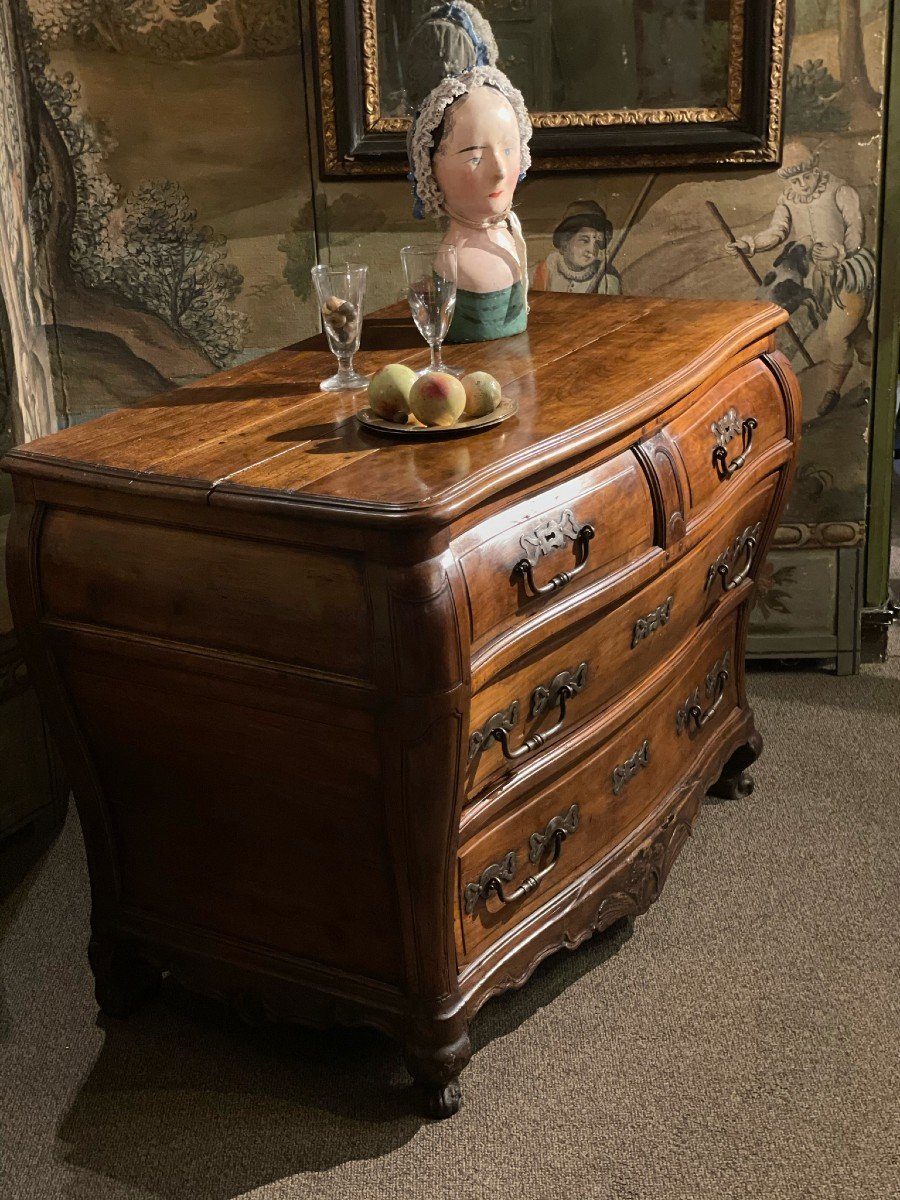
735, 782
436, 1076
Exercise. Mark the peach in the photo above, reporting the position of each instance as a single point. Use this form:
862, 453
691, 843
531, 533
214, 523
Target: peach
389, 389
437, 399
483, 393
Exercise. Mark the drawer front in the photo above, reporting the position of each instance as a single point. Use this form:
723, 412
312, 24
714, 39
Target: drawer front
549, 693
742, 416
554, 543
283, 603
528, 856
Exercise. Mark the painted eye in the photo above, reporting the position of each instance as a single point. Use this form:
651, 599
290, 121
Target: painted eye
475, 161
508, 151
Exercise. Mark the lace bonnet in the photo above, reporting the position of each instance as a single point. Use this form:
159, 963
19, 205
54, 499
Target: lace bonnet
428, 199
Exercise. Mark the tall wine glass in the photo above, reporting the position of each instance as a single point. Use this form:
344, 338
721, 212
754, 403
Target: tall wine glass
430, 272
341, 291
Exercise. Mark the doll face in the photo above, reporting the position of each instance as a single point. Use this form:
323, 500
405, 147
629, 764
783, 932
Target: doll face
478, 162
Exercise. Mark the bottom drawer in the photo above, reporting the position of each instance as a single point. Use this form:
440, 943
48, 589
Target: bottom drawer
530, 854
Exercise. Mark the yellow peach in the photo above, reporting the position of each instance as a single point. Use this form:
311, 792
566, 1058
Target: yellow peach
483, 393
389, 389
437, 399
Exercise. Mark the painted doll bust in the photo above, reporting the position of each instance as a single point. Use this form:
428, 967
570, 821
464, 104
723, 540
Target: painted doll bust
468, 148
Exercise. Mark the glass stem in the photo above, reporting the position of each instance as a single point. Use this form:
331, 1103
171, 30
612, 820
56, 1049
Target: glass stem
436, 364
345, 367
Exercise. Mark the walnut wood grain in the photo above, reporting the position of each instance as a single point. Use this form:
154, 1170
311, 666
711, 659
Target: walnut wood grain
263, 637
265, 426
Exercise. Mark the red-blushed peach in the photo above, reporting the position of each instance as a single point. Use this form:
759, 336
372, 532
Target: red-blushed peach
389, 389
483, 393
437, 399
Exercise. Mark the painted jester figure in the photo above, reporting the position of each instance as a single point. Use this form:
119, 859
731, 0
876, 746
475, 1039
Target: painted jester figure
819, 220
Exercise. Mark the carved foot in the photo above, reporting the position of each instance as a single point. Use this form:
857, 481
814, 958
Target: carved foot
439, 1102
122, 982
436, 1076
735, 782
734, 787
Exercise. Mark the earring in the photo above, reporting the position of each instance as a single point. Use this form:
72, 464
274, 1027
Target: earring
521, 176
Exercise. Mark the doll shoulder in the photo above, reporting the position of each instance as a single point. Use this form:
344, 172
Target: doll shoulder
488, 266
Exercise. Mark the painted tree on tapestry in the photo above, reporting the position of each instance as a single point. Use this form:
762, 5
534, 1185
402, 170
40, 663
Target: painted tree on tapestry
344, 218
106, 22
178, 270
82, 229
254, 26
167, 29
812, 99
854, 74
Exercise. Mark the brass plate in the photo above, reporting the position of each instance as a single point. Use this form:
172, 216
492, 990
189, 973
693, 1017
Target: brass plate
506, 408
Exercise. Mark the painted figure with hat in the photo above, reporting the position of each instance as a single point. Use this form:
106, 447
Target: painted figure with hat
819, 220
579, 261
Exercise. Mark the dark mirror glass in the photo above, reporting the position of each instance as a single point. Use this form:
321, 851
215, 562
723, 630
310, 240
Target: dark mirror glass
572, 55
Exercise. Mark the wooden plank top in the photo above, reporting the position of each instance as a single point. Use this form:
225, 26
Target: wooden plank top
587, 370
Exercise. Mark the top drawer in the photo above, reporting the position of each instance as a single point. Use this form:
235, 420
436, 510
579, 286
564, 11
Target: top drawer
742, 416
558, 541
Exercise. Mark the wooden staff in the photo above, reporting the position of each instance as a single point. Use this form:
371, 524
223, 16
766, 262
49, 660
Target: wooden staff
792, 333
630, 219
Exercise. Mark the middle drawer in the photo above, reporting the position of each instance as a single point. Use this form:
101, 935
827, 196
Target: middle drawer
547, 693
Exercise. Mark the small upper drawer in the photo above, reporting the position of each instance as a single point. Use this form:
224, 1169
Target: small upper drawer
555, 543
743, 415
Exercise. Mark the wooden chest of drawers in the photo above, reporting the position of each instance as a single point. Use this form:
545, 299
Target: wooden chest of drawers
360, 730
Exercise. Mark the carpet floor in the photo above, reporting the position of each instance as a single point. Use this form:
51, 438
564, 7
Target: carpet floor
739, 1042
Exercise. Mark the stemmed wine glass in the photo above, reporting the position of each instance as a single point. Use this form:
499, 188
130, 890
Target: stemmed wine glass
430, 272
341, 291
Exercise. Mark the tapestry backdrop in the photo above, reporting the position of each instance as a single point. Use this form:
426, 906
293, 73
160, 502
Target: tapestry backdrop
173, 203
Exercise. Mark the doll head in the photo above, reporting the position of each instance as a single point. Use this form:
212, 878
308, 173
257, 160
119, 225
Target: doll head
468, 146
478, 155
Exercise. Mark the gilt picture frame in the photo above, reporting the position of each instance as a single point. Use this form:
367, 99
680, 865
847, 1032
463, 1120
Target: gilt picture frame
358, 135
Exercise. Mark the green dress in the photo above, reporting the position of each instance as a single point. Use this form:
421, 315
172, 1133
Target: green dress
483, 316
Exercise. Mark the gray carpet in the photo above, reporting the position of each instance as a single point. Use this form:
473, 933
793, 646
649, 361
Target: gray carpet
741, 1041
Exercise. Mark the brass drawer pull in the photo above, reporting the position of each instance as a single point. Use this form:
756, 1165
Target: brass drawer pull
743, 546
524, 568
505, 719
728, 585
691, 714
559, 691
493, 878
724, 431
626, 772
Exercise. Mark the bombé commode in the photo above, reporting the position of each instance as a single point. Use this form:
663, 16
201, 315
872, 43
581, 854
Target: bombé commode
360, 730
